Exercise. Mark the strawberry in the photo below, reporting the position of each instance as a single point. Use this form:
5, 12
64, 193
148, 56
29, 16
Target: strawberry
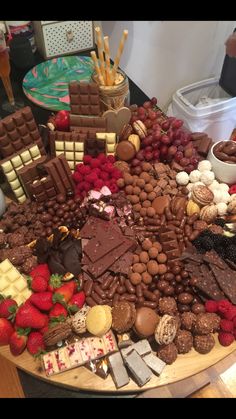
42, 300
6, 330
39, 284
54, 282
45, 328
18, 341
35, 343
8, 308
76, 302
41, 270
58, 312
29, 316
64, 293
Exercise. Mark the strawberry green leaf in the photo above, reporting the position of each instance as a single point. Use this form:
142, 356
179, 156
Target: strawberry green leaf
23, 331
55, 320
58, 298
73, 308
39, 354
12, 309
29, 281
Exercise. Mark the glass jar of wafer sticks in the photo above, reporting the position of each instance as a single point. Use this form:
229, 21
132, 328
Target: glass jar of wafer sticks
113, 83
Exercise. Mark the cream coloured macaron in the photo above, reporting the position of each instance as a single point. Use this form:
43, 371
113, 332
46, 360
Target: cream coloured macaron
99, 320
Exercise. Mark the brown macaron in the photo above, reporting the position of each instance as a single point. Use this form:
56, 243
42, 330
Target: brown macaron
146, 322
125, 150
123, 316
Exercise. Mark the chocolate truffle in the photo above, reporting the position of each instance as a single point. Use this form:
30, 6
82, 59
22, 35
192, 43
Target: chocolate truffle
123, 316
167, 305
146, 322
188, 320
183, 341
203, 344
168, 353
206, 323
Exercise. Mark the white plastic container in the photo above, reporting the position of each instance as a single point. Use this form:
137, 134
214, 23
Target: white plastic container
217, 119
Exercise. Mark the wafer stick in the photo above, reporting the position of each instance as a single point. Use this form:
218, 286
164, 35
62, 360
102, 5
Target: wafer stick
100, 51
119, 52
98, 71
107, 58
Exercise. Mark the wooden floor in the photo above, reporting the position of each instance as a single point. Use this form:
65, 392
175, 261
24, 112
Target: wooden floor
218, 381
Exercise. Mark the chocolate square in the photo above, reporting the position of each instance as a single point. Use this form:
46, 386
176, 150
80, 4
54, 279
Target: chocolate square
74, 99
94, 109
83, 88
75, 109
22, 130
14, 135
94, 100
27, 139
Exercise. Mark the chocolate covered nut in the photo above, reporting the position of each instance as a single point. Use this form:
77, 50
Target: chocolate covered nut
185, 298
128, 297
99, 291
107, 282
149, 295
150, 304
88, 286
129, 287
90, 301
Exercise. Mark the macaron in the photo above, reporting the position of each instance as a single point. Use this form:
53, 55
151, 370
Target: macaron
146, 322
99, 320
125, 150
123, 316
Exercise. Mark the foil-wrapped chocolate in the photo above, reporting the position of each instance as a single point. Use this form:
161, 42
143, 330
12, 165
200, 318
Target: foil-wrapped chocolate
99, 367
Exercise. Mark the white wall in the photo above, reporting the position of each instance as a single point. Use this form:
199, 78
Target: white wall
162, 56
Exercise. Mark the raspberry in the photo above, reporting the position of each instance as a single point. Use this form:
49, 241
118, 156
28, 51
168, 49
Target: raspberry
77, 177
91, 178
104, 176
87, 186
113, 188
211, 306
98, 184
77, 167
234, 333
102, 158
95, 163
80, 186
230, 314
234, 322
223, 306
87, 159
111, 159
84, 170
116, 173
225, 339
226, 325
108, 167
97, 171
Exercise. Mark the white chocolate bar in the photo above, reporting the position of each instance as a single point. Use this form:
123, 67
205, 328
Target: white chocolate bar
85, 350
13, 283
69, 155
79, 146
59, 145
50, 364
62, 358
74, 354
98, 346
69, 145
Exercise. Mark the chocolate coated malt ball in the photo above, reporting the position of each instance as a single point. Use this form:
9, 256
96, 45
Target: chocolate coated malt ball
162, 258
198, 308
145, 176
150, 211
168, 353
152, 267
158, 246
183, 341
146, 244
206, 323
167, 305
139, 267
144, 257
146, 278
153, 252
135, 278
148, 187
143, 212
146, 166
146, 204
151, 196
140, 183
129, 189
135, 258
188, 320
128, 179
120, 183
203, 344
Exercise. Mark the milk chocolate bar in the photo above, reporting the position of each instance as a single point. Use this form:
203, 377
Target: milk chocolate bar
29, 173
118, 370
138, 368
43, 189
88, 125
84, 98
103, 243
60, 173
226, 281
18, 131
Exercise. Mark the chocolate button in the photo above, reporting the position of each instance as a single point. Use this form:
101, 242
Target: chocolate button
125, 150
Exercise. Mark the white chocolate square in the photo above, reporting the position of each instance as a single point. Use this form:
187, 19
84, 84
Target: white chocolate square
11, 176
15, 184
62, 358
69, 145
110, 154
69, 155
79, 156
16, 161
29, 161
58, 153
111, 137
50, 363
71, 164
34, 151
26, 156
14, 275
5, 266
7, 167
19, 192
79, 146
59, 145
21, 199
110, 148
101, 135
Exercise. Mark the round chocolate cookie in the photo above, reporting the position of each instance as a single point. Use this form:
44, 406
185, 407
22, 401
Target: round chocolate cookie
125, 150
146, 322
123, 316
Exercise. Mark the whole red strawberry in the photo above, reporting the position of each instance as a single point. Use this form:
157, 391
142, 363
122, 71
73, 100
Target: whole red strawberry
41, 270
35, 343
58, 311
42, 300
64, 293
54, 282
6, 330
39, 284
8, 308
76, 302
45, 328
18, 341
29, 316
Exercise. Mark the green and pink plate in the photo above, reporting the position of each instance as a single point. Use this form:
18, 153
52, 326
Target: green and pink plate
47, 83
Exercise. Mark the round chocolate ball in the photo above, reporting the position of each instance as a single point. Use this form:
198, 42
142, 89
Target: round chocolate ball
188, 320
167, 305
146, 322
135, 278
152, 267
203, 344
168, 353
61, 199
183, 341
198, 308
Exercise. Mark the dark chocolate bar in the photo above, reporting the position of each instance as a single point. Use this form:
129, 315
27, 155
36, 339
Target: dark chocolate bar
227, 282
84, 98
29, 173
60, 173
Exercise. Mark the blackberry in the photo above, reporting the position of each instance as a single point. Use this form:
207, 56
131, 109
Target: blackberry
198, 243
220, 222
231, 252
207, 243
220, 251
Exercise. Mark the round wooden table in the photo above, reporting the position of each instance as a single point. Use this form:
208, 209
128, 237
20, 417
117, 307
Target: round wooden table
82, 379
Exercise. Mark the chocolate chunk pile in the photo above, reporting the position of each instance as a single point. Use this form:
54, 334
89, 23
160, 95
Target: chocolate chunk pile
201, 142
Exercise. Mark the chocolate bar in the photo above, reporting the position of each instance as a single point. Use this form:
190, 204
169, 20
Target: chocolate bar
110, 141
71, 144
43, 189
11, 165
88, 125
18, 131
94, 147
84, 98
103, 243
118, 370
154, 363
99, 367
138, 368
13, 283
60, 173
30, 173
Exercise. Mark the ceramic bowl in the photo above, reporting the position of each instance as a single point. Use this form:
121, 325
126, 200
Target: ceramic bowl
224, 172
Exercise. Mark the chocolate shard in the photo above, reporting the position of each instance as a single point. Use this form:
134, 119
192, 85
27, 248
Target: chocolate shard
227, 282
207, 284
154, 363
118, 370
138, 368
214, 259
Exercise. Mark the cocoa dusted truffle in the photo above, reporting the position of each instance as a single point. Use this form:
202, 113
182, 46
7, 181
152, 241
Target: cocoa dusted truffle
188, 320
203, 344
15, 239
183, 341
206, 323
168, 353
167, 305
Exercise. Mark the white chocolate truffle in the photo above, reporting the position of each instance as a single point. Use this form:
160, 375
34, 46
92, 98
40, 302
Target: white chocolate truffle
221, 208
224, 187
198, 183
232, 197
204, 165
207, 177
194, 176
190, 186
182, 178
214, 186
225, 197
217, 196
